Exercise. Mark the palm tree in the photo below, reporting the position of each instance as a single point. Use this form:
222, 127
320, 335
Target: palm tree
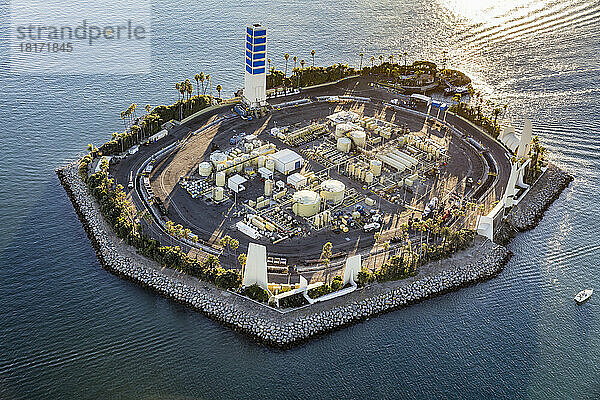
286, 56
178, 90
201, 79
295, 70
190, 90
123, 118
269, 61
209, 84
380, 59
197, 78
405, 62
312, 54
302, 62
219, 88
361, 55
182, 89
391, 58
325, 258
372, 61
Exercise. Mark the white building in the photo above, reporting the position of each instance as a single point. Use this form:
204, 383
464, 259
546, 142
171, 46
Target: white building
287, 161
236, 183
255, 78
297, 180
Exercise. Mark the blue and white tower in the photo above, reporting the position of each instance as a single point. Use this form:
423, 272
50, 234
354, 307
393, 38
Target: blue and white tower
255, 80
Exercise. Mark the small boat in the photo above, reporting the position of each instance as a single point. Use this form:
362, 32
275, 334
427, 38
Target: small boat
583, 295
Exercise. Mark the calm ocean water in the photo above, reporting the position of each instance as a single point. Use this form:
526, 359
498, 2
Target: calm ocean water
70, 330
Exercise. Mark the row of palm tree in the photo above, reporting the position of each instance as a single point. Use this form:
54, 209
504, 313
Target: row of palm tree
537, 153
120, 214
381, 57
421, 241
483, 114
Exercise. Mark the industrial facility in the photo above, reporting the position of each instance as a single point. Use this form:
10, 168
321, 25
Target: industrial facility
341, 173
338, 168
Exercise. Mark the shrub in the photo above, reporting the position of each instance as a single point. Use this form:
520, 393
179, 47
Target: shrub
257, 293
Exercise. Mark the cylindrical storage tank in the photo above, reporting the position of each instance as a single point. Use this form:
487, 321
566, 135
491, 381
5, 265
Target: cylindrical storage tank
344, 144
355, 215
218, 193
307, 203
363, 173
359, 138
257, 223
254, 156
369, 177
270, 164
358, 172
248, 147
332, 190
246, 158
261, 161
342, 129
375, 167
239, 164
317, 220
268, 187
205, 168
326, 217
217, 157
220, 178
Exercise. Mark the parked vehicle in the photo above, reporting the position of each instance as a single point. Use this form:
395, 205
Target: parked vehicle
373, 226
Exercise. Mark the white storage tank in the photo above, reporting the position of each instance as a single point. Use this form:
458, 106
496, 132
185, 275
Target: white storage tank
306, 203
217, 158
344, 144
369, 177
270, 164
332, 190
205, 168
239, 164
268, 187
220, 178
229, 167
248, 147
261, 161
351, 168
363, 173
218, 193
359, 138
375, 167
358, 171
342, 129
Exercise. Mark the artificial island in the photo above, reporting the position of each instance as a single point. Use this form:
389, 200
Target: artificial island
310, 201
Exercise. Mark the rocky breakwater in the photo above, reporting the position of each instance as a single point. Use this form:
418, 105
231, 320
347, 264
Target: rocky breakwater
531, 208
270, 326
489, 262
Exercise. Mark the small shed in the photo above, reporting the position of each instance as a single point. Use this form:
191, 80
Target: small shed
265, 173
297, 180
236, 183
287, 161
